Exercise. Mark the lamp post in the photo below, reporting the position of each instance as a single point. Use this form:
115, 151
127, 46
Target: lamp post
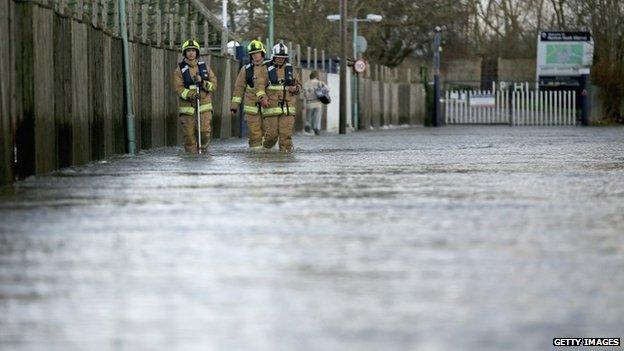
356, 93
437, 118
271, 25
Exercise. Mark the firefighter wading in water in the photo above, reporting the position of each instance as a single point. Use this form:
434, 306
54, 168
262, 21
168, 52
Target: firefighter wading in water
251, 82
283, 86
190, 73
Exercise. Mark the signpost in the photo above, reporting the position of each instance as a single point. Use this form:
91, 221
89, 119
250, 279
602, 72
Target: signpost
563, 61
561, 56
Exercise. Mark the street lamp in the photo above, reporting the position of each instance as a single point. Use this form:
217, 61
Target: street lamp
371, 17
437, 42
271, 25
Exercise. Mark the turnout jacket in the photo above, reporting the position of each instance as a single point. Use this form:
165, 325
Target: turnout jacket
183, 84
250, 84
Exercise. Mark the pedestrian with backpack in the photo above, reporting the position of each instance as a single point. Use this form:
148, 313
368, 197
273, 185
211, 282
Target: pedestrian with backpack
316, 94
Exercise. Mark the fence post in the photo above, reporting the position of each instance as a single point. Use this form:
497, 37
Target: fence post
144, 28
79, 9
182, 29
94, 13
130, 14
308, 57
158, 28
116, 27
323, 59
315, 59
206, 37
298, 55
104, 18
62, 7
194, 30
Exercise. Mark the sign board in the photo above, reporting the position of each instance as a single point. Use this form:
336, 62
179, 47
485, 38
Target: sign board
482, 100
359, 66
361, 44
563, 53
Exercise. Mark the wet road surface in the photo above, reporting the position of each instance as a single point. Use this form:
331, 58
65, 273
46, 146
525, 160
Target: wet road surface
456, 238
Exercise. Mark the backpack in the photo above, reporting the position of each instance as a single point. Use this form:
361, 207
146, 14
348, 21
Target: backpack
322, 93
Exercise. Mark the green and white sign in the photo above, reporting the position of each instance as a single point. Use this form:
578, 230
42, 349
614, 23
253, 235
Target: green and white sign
563, 53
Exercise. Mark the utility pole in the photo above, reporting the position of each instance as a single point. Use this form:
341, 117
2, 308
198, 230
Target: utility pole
436, 78
585, 98
354, 87
130, 132
343, 67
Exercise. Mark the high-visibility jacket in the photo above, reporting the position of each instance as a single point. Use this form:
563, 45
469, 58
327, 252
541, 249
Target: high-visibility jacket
250, 85
281, 101
183, 84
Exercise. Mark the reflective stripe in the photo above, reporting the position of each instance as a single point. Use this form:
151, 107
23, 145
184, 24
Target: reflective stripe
185, 93
275, 87
260, 93
186, 110
250, 109
206, 107
192, 87
271, 111
237, 99
209, 86
275, 111
189, 110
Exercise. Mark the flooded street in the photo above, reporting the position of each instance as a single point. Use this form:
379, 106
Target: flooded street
456, 238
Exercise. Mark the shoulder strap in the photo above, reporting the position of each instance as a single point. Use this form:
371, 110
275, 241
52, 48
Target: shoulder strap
186, 74
273, 75
249, 75
288, 74
203, 69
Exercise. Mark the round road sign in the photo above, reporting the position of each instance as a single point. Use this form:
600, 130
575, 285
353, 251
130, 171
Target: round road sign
359, 66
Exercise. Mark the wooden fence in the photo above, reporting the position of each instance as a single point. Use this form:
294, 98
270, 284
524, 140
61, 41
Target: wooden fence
62, 85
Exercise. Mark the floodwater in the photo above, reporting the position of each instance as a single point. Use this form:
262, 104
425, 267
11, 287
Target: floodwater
457, 238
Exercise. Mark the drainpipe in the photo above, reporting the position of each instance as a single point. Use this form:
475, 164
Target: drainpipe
130, 133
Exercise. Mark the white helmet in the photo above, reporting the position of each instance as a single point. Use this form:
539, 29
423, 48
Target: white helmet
280, 50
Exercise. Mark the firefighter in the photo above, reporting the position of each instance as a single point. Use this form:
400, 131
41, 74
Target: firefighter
251, 83
283, 87
191, 73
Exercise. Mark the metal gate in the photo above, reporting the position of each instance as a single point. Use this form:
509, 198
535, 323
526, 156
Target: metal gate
515, 108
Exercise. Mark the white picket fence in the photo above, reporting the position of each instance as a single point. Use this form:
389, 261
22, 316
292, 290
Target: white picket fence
517, 108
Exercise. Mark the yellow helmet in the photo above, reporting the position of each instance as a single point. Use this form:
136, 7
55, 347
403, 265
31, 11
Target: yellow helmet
255, 46
190, 44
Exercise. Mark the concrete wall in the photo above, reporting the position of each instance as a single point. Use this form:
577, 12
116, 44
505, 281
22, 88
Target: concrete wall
516, 70
467, 70
384, 104
333, 109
